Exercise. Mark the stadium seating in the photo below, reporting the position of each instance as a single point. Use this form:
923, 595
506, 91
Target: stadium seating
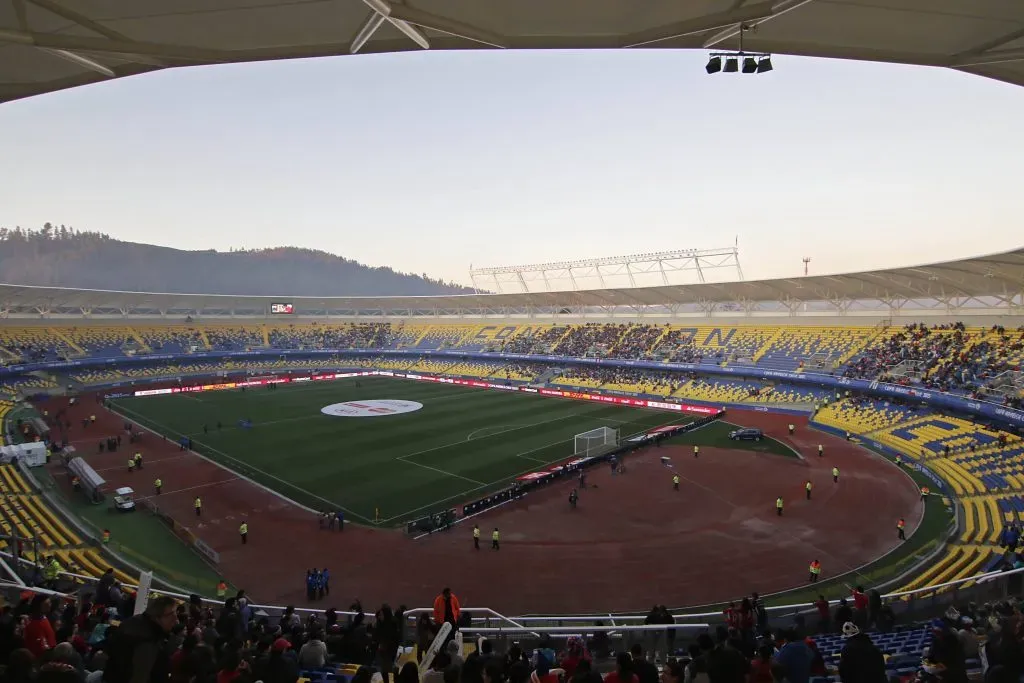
950, 358
24, 513
862, 416
718, 391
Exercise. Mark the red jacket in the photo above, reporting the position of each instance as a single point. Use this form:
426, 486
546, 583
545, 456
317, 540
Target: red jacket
439, 609
39, 636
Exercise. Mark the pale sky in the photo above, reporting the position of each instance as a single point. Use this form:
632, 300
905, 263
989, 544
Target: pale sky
431, 162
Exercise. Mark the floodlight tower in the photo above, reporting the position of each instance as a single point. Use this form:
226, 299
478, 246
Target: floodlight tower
807, 260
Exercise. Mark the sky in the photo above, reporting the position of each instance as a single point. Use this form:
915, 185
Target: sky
430, 162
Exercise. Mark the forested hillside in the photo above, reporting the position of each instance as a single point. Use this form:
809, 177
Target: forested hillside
59, 256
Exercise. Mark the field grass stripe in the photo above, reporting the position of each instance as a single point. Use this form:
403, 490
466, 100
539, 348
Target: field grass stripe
141, 419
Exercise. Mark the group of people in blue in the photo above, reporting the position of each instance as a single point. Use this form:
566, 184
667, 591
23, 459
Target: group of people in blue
318, 583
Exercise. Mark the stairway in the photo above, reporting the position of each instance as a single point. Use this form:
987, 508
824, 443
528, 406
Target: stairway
67, 340
762, 351
139, 340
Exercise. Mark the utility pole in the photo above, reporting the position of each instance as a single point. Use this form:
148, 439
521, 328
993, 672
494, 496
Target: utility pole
807, 260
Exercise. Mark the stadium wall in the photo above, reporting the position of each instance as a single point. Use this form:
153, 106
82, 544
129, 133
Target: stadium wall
984, 409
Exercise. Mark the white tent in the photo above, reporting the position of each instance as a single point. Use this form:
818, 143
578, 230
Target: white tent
32, 454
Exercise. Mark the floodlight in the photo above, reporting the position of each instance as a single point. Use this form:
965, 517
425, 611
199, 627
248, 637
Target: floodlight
732, 65
714, 65
749, 65
764, 65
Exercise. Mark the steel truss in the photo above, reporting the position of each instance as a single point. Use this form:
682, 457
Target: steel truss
663, 267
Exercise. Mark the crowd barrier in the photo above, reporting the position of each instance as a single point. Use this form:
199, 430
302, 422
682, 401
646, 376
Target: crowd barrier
985, 409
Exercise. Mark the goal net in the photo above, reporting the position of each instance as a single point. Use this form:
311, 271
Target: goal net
596, 441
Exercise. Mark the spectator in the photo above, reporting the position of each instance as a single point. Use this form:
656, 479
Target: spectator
795, 658
313, 654
645, 671
623, 672
860, 661
136, 649
38, 635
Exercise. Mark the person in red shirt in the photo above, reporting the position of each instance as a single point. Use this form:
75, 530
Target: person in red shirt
761, 666
623, 670
38, 635
860, 600
446, 608
823, 614
732, 616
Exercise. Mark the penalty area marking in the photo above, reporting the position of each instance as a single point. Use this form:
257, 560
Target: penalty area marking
500, 429
524, 454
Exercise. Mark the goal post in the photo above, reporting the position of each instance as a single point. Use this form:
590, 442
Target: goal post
596, 441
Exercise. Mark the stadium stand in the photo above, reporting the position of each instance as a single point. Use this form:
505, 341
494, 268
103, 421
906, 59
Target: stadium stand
25, 514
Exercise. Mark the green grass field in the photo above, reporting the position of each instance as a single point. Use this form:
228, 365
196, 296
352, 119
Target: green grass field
463, 443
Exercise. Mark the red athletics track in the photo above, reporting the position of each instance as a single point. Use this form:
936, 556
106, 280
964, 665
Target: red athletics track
632, 542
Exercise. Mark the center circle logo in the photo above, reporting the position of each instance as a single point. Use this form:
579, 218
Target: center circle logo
371, 408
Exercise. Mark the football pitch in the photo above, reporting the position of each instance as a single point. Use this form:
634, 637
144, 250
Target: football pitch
461, 444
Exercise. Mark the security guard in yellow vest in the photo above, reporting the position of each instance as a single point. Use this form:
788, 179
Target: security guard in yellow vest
899, 461
199, 507
675, 482
158, 485
821, 450
778, 506
835, 475
131, 464
807, 487
696, 451
476, 537
243, 531
51, 571
791, 429
222, 589
495, 538
815, 571
138, 460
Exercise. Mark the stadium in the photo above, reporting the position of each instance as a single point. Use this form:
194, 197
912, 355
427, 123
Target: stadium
780, 443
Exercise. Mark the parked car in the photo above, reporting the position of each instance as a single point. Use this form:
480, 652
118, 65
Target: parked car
746, 435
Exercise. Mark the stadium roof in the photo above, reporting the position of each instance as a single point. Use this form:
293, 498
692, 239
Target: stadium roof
48, 45
984, 284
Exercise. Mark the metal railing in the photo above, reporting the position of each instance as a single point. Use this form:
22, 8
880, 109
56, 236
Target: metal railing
486, 621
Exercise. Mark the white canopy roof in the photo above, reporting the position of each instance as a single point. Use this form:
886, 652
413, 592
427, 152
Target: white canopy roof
993, 282
48, 45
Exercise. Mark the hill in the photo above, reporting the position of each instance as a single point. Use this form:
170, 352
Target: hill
63, 257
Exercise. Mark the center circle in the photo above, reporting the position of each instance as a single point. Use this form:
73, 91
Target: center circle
371, 408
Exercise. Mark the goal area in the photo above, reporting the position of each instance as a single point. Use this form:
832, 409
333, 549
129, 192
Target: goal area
596, 441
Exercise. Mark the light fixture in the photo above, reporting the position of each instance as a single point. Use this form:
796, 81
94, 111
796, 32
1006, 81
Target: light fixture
736, 62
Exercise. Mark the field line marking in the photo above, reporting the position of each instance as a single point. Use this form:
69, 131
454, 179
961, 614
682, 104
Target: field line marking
518, 474
504, 431
143, 419
450, 474
152, 461
190, 488
489, 427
